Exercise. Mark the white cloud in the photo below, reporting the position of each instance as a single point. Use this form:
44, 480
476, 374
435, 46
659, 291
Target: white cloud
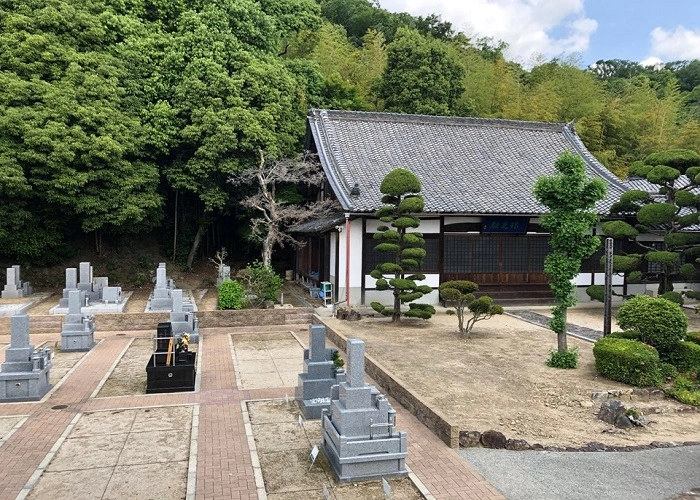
530, 27
679, 43
652, 61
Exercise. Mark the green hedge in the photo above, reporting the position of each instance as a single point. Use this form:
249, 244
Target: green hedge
685, 356
627, 361
231, 295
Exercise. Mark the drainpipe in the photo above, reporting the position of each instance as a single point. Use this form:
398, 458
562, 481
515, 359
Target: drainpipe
347, 260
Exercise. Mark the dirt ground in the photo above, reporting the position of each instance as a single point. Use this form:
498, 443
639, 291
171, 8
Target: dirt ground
284, 450
498, 379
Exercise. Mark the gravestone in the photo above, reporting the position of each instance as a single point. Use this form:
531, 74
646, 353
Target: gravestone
12, 289
313, 392
224, 274
360, 438
71, 284
24, 285
182, 318
78, 332
161, 299
24, 375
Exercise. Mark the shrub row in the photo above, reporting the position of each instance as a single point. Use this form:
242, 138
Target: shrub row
627, 361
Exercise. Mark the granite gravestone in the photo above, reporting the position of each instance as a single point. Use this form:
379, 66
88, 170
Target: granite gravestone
314, 390
360, 438
12, 289
25, 372
78, 332
161, 299
182, 318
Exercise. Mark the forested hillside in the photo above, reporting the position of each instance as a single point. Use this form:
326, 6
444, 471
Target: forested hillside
121, 117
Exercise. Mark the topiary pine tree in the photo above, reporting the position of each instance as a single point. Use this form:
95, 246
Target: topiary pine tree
400, 188
570, 197
668, 212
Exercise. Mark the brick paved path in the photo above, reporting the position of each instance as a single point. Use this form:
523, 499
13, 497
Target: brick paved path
223, 461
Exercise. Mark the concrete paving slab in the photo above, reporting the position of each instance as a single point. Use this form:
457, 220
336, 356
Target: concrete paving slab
104, 422
88, 452
293, 364
256, 366
164, 418
88, 484
135, 481
155, 447
261, 380
247, 354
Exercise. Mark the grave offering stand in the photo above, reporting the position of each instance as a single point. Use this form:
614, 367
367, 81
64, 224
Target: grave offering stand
168, 370
360, 438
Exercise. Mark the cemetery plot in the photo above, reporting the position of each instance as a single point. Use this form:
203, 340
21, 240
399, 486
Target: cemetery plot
129, 376
284, 451
118, 454
62, 362
264, 360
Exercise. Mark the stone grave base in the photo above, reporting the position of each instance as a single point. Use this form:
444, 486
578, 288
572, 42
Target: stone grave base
174, 378
24, 386
10, 307
164, 305
77, 342
98, 307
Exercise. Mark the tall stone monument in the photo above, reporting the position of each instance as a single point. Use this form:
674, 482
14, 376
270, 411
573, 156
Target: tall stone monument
313, 393
12, 289
71, 284
161, 299
24, 375
78, 332
183, 318
360, 438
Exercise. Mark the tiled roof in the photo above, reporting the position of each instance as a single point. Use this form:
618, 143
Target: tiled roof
319, 225
465, 165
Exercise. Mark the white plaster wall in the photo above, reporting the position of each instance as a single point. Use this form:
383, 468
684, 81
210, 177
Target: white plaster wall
427, 226
430, 280
584, 279
386, 297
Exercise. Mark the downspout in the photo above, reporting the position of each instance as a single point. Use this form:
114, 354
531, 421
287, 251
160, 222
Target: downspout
347, 260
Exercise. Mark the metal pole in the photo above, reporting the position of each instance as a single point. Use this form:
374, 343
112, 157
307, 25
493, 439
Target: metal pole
607, 301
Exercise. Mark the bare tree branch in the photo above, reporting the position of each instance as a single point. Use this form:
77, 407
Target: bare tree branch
276, 216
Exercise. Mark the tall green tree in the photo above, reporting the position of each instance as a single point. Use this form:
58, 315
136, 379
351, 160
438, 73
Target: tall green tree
227, 97
570, 197
67, 133
402, 200
421, 76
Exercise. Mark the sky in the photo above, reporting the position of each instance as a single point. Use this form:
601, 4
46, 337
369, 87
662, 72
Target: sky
645, 31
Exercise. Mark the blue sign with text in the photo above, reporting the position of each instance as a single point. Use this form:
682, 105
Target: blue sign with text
517, 225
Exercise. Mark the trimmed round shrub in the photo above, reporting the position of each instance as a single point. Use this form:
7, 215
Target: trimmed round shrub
231, 295
627, 361
673, 297
686, 357
668, 371
660, 322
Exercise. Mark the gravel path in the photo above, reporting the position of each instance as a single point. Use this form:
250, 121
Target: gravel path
580, 332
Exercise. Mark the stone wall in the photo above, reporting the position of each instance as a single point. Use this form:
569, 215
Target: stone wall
50, 323
397, 389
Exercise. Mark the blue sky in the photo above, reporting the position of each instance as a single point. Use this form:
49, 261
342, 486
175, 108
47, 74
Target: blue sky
638, 30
